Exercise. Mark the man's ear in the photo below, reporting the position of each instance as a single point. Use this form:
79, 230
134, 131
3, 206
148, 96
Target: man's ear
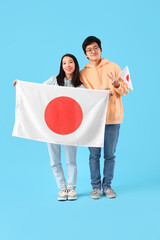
86, 56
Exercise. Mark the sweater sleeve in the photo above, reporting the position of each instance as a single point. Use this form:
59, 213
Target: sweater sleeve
51, 81
82, 86
123, 88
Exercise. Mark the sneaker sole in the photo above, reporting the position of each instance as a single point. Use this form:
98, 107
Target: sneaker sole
109, 196
62, 198
95, 197
72, 198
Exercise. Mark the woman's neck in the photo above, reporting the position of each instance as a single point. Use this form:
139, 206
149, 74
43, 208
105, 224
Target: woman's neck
68, 76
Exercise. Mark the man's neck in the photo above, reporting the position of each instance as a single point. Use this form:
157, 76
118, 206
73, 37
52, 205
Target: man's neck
95, 63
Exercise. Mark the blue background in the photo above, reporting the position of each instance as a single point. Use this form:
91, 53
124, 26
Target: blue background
34, 36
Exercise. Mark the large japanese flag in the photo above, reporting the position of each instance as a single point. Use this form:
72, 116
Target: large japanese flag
61, 115
125, 75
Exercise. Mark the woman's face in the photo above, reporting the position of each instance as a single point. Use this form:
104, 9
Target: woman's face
68, 66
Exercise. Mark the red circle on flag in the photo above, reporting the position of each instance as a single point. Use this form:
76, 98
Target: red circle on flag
63, 115
127, 77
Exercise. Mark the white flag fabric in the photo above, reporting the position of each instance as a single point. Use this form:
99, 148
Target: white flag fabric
125, 75
61, 115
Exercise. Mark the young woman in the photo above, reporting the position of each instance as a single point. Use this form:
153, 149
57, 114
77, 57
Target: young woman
68, 76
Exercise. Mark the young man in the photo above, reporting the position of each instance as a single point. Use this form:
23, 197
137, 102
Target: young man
100, 73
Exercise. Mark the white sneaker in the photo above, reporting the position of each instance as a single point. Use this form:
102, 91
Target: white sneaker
63, 195
72, 195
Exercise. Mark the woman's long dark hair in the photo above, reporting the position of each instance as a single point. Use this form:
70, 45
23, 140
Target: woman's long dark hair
75, 78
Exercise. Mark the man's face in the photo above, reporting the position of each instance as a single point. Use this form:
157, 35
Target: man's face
93, 52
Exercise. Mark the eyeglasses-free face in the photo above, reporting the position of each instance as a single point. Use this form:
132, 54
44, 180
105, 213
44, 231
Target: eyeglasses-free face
68, 66
93, 52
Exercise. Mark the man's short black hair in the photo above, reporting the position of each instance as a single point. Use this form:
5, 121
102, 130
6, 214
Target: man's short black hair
89, 40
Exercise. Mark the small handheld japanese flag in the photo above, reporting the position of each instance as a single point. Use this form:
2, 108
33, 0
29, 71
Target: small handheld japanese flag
125, 75
61, 115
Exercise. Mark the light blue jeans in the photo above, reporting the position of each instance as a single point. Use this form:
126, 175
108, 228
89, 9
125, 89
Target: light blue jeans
110, 142
56, 165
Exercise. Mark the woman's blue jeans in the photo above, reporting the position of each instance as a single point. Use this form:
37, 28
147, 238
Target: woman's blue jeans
110, 143
56, 165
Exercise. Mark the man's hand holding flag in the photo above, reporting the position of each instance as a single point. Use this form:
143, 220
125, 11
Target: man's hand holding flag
125, 75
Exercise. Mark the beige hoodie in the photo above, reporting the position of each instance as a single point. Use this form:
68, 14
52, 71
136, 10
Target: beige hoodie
96, 78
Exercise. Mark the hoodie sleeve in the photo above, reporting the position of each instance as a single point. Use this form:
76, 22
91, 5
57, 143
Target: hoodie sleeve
84, 80
123, 88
